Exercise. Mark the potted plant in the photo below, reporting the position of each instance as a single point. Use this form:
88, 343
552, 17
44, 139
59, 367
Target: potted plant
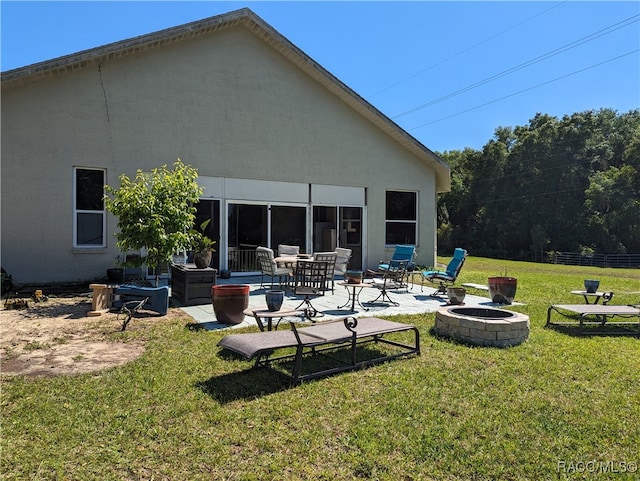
591, 285
456, 295
353, 277
274, 299
229, 302
202, 246
155, 212
502, 289
115, 275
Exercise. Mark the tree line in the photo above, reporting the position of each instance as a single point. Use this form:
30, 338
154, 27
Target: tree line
554, 185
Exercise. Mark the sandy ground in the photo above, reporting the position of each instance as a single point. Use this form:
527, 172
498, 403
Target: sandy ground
55, 337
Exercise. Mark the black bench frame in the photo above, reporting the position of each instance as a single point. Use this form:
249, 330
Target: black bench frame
324, 339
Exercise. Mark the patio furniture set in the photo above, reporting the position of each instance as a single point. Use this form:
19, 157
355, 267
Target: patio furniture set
341, 340
311, 276
591, 312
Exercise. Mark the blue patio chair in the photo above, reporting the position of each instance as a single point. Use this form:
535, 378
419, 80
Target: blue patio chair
447, 277
392, 278
402, 253
402, 260
130, 299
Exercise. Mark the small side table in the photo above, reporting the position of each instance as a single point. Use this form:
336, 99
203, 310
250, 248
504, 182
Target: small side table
101, 299
596, 296
353, 295
261, 314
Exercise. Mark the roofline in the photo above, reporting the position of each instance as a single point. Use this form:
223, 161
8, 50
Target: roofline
247, 18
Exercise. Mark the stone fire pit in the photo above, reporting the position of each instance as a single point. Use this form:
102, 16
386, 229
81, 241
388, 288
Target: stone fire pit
482, 326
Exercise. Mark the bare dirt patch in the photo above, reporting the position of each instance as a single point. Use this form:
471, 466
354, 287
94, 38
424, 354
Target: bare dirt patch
55, 337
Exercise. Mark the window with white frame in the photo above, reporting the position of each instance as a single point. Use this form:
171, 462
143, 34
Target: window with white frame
89, 219
401, 218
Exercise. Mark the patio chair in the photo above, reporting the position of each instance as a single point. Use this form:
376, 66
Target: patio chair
156, 298
285, 250
588, 314
330, 258
268, 267
447, 277
342, 261
392, 278
350, 335
310, 281
128, 309
403, 253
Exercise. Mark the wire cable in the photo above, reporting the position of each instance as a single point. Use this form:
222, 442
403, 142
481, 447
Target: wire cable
524, 90
460, 52
610, 29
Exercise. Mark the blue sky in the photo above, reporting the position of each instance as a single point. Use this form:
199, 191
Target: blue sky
449, 73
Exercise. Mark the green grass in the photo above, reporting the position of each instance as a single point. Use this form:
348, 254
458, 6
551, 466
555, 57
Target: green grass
556, 407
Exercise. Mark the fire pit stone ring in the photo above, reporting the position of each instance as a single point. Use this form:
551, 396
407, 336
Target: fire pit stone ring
482, 326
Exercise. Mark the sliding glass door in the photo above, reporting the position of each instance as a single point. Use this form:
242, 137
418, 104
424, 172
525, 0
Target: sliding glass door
210, 210
351, 234
289, 226
247, 229
338, 227
253, 225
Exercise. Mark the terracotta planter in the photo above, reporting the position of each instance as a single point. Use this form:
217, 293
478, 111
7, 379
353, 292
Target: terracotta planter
456, 295
229, 300
353, 277
502, 289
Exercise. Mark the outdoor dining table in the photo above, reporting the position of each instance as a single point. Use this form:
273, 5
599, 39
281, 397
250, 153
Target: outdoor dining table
290, 261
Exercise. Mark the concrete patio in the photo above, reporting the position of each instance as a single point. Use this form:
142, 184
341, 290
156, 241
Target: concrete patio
411, 301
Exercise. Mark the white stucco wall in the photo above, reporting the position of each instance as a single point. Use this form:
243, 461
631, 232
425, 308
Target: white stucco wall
226, 103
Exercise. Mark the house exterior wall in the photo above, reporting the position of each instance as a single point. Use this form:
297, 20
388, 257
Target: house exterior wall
226, 103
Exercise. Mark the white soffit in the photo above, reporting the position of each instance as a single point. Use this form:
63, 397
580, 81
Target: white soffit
337, 195
213, 187
287, 192
263, 190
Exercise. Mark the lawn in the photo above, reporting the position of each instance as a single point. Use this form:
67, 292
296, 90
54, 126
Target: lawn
558, 406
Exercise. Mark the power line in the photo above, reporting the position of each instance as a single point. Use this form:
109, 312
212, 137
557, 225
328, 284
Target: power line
460, 52
600, 33
524, 90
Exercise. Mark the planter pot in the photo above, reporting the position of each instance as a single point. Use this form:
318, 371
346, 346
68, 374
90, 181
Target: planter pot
202, 259
179, 260
353, 277
115, 275
274, 300
229, 300
591, 285
456, 295
502, 289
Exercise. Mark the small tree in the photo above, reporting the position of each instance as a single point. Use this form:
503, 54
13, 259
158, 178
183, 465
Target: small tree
155, 212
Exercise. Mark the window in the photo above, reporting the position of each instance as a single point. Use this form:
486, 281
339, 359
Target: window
89, 220
401, 218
